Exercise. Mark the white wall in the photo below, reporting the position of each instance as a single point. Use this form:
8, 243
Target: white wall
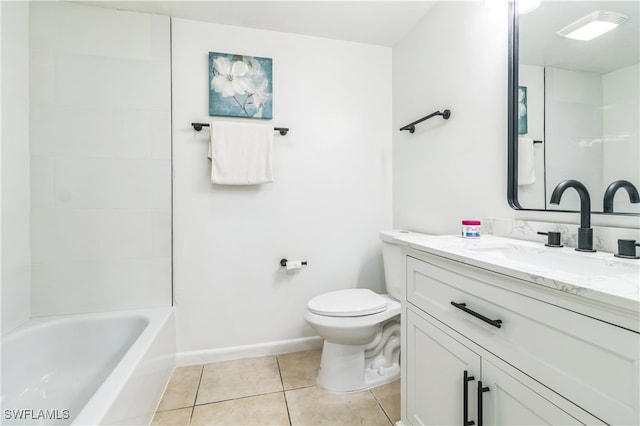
621, 127
100, 159
15, 164
449, 170
330, 198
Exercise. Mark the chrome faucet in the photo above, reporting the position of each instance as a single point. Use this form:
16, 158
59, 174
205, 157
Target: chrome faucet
607, 203
585, 233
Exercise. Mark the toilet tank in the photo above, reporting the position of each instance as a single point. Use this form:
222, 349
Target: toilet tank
392, 259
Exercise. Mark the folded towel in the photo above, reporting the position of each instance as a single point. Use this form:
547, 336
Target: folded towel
526, 162
241, 153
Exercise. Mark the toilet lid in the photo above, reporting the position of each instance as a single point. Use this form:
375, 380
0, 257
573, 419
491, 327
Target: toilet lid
348, 303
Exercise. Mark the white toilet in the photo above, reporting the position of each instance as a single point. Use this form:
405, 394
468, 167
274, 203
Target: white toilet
361, 329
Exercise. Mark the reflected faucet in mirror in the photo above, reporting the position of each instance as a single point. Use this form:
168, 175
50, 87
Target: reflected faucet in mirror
585, 233
607, 203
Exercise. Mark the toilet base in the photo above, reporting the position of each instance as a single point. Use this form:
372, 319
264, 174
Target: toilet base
346, 368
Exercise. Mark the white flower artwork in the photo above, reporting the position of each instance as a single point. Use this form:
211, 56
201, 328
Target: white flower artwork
240, 86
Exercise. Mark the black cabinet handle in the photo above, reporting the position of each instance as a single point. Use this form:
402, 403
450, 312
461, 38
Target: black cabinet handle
481, 390
465, 399
463, 306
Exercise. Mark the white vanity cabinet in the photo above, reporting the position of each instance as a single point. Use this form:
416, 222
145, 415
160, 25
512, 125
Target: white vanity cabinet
448, 365
539, 362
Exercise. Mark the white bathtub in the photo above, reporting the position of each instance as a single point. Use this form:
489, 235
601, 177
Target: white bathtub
108, 368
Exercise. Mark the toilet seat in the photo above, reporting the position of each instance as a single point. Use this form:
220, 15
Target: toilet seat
354, 302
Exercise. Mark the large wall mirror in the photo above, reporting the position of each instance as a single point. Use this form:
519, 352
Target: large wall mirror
573, 103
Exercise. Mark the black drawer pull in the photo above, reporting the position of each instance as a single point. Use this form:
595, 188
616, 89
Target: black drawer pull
463, 306
481, 390
465, 399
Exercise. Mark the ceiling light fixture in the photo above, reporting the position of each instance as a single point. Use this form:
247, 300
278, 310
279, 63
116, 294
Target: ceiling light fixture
593, 25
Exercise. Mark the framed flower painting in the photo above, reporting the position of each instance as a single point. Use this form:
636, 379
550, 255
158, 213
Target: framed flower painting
240, 86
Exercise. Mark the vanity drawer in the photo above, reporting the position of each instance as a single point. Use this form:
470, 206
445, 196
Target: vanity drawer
590, 362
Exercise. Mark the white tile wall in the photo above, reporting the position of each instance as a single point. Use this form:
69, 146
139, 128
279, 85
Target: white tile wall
92, 31
40, 74
78, 234
92, 183
98, 285
42, 184
160, 131
101, 159
97, 132
15, 280
161, 239
96, 81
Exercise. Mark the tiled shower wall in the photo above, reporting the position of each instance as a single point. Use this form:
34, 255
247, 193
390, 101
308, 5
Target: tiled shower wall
15, 259
100, 159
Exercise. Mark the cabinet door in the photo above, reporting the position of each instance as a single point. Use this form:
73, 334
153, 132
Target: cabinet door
435, 367
510, 402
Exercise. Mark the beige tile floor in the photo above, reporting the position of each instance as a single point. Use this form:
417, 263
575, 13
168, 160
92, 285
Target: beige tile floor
270, 390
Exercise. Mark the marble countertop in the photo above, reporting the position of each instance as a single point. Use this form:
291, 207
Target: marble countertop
598, 276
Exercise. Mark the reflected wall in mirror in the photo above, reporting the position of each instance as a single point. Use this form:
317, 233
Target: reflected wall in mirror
573, 105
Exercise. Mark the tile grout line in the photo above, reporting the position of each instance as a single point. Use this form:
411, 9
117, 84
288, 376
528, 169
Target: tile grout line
191, 415
193, 407
284, 395
237, 398
381, 406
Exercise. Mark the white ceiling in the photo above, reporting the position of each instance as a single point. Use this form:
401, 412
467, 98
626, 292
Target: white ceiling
374, 22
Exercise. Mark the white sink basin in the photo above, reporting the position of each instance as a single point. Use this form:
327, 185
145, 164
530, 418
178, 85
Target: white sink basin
562, 260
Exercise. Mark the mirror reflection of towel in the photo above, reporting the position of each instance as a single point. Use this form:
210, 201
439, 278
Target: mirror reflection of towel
526, 162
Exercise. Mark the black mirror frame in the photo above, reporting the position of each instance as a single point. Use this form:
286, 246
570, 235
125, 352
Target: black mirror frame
512, 108
512, 120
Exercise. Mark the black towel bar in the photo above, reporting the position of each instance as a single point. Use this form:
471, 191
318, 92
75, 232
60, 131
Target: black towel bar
198, 126
411, 127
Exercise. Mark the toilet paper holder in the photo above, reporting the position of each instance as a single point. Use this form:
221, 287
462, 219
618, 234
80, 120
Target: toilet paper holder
283, 263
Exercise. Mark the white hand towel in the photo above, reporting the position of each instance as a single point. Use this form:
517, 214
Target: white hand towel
526, 162
241, 153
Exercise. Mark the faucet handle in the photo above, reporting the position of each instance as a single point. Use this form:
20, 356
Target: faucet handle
553, 239
627, 249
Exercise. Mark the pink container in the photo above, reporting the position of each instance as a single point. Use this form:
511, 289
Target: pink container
471, 228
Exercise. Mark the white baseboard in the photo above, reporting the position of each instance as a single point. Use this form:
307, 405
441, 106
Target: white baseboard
248, 351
